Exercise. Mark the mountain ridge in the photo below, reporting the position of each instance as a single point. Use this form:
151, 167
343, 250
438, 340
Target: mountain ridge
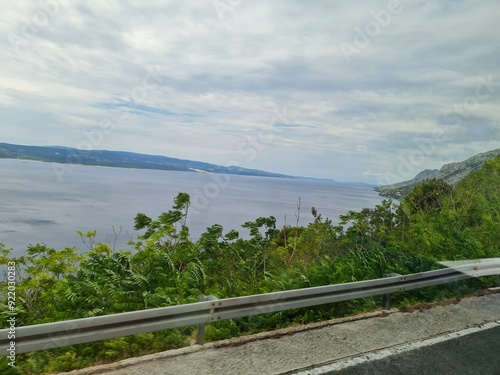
452, 173
122, 159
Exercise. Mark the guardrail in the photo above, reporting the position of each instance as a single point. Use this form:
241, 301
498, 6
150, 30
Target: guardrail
79, 331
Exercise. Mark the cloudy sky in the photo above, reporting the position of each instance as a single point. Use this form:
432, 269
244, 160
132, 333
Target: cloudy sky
372, 91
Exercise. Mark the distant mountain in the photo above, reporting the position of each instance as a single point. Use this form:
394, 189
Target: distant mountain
451, 173
58, 154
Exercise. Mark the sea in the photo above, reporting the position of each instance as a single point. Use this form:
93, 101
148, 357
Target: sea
48, 203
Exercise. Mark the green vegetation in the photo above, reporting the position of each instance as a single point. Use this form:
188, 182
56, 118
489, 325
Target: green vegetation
165, 267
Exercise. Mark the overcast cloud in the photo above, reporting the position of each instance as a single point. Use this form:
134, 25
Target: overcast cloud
372, 91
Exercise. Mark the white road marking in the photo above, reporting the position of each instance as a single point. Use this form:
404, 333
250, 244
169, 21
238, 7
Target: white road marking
384, 353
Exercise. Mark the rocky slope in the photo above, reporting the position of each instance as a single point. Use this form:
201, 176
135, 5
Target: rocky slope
451, 173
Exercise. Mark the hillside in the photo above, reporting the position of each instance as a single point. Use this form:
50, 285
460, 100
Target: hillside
451, 173
57, 154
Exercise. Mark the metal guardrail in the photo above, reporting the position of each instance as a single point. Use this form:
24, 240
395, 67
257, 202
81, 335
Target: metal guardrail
79, 331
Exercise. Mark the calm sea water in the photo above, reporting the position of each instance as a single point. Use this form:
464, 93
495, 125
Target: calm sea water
38, 207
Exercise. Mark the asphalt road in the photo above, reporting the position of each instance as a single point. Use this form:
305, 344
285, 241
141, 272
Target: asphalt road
470, 354
474, 354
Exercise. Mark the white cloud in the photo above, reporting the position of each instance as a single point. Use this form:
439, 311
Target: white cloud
220, 82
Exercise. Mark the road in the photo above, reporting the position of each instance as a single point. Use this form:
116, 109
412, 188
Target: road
392, 342
470, 353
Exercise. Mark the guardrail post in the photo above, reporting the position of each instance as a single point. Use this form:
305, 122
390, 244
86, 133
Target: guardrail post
200, 337
386, 298
386, 301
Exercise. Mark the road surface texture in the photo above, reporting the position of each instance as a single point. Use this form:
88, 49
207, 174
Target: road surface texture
438, 340
473, 353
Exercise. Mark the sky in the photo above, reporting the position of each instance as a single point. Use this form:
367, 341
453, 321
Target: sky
368, 91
